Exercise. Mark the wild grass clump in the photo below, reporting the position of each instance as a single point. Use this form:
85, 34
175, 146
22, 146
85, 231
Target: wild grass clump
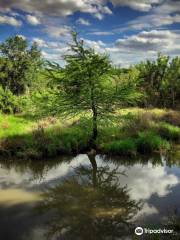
172, 117
129, 134
68, 140
11, 125
149, 141
45, 143
145, 142
122, 147
15, 145
134, 123
169, 131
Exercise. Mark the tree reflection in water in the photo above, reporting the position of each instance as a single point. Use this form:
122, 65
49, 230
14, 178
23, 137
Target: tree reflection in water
89, 205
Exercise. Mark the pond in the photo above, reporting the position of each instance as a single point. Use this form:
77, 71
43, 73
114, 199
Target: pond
88, 197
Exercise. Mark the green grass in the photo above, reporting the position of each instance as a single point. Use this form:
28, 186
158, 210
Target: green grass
11, 125
145, 142
122, 147
134, 131
168, 131
149, 141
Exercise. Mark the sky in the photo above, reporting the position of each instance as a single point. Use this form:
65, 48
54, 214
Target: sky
129, 31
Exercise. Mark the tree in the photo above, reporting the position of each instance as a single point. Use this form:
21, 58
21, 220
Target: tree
173, 82
161, 81
87, 85
153, 75
18, 64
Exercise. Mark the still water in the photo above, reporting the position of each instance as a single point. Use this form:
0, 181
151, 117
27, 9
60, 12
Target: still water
87, 197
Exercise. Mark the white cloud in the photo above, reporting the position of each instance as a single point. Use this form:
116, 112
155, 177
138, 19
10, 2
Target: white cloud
98, 46
131, 49
101, 33
40, 42
155, 40
99, 16
10, 21
55, 31
124, 51
145, 211
33, 20
151, 21
138, 47
83, 22
52, 51
106, 10
140, 5
168, 7
144, 45
57, 8
65, 8
55, 57
165, 13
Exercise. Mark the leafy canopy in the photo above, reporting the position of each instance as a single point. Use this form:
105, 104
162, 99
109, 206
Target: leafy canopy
18, 64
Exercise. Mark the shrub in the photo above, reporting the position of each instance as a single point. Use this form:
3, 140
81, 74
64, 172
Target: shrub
11, 146
8, 101
172, 117
68, 140
122, 147
149, 141
138, 122
169, 131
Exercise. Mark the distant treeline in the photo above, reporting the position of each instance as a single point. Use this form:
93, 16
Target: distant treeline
25, 78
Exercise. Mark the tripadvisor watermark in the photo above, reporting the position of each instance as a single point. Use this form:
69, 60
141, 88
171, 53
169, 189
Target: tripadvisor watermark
139, 231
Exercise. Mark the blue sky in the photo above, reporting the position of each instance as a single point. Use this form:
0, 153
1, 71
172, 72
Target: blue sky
128, 30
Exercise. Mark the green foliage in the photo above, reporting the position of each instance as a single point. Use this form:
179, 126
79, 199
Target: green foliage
169, 131
86, 85
127, 87
11, 126
18, 64
121, 147
43, 102
26, 137
149, 141
172, 117
8, 102
160, 81
46, 139
172, 83
134, 123
69, 141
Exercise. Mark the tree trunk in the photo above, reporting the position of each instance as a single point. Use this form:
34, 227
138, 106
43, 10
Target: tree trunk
173, 98
95, 131
94, 120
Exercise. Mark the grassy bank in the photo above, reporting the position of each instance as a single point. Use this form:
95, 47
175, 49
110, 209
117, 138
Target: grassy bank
133, 131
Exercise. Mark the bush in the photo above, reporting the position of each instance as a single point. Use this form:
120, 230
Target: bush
122, 147
169, 132
149, 141
138, 122
8, 101
68, 140
172, 117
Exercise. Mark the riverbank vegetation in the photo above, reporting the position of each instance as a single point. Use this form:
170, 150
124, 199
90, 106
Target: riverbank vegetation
47, 110
134, 131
